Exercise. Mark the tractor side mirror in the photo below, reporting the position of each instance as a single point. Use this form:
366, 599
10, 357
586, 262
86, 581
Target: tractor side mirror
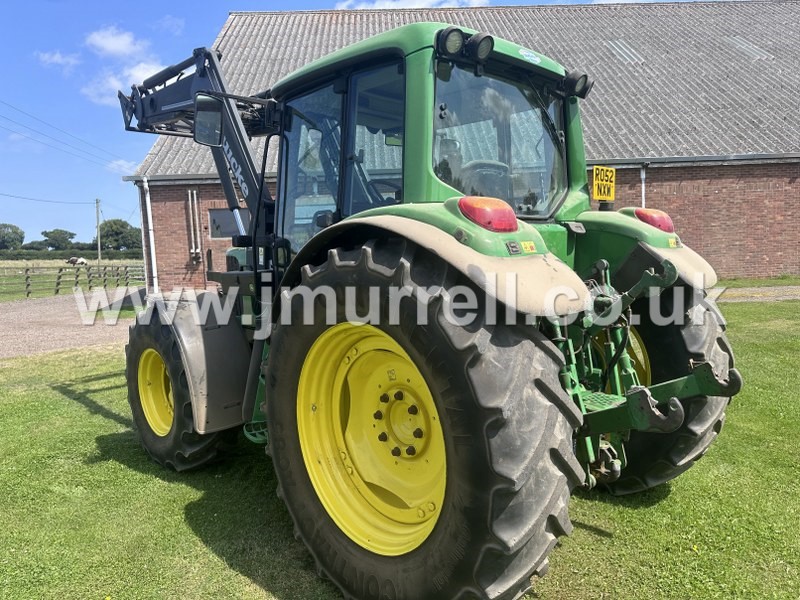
208, 120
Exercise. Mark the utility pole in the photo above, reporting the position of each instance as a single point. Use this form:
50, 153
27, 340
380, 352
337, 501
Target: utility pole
97, 217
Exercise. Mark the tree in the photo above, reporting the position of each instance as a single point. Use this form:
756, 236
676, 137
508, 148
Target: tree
118, 234
11, 236
35, 245
58, 239
84, 246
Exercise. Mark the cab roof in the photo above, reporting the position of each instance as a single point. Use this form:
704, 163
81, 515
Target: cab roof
401, 42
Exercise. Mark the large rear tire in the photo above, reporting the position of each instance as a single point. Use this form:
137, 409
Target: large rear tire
158, 394
478, 503
655, 458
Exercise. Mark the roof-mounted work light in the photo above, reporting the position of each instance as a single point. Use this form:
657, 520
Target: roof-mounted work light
577, 84
450, 41
480, 46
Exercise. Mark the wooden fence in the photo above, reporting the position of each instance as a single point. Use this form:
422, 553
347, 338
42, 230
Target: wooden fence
37, 282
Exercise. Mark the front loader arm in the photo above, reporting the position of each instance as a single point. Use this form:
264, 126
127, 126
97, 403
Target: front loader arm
165, 104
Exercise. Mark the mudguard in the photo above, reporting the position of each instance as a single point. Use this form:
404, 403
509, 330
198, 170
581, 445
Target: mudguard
693, 270
536, 284
215, 358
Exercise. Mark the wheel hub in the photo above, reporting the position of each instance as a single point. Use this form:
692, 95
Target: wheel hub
402, 423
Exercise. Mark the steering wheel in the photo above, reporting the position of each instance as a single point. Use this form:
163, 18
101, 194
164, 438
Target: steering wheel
487, 177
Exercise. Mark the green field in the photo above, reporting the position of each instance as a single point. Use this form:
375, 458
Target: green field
86, 515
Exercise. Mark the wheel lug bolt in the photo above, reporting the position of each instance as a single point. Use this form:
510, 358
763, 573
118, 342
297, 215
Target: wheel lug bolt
378, 415
384, 397
382, 437
418, 433
412, 410
411, 451
398, 395
396, 451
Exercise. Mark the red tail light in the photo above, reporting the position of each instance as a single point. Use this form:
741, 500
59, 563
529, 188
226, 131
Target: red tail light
490, 213
656, 218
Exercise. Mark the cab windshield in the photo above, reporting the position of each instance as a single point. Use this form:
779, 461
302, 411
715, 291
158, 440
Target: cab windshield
501, 138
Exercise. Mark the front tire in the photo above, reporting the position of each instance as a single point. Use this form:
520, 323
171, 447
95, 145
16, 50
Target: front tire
158, 394
475, 509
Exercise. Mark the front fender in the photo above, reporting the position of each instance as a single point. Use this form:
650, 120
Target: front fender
535, 284
215, 357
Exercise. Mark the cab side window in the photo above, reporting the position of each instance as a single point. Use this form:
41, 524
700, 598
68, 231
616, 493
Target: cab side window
374, 155
311, 156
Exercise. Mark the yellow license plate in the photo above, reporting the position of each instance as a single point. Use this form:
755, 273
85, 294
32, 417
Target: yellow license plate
603, 182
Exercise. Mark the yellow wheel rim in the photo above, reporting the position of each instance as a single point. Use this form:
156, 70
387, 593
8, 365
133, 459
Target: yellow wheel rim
639, 358
155, 392
637, 352
371, 438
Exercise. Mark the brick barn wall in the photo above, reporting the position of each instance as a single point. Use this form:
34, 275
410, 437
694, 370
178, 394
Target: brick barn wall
171, 231
744, 219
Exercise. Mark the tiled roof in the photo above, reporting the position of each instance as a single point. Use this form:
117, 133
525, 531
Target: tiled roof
672, 79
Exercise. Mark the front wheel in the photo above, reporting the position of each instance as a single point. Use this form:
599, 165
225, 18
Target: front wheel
158, 394
417, 460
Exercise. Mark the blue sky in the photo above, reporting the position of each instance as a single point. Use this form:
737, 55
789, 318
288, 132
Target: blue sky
61, 131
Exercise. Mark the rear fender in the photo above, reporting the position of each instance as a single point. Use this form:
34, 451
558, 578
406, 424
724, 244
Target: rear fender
536, 284
215, 358
693, 270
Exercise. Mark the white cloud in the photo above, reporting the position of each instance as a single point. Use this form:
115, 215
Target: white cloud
389, 4
66, 61
140, 71
112, 41
126, 167
130, 63
170, 24
103, 88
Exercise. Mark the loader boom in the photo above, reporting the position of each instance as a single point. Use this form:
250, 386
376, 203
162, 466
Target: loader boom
165, 104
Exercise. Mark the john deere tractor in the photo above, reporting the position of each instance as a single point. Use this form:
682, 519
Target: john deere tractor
434, 335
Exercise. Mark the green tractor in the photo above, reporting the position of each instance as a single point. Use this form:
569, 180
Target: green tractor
431, 332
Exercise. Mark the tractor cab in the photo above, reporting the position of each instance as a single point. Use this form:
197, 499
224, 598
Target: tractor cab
439, 113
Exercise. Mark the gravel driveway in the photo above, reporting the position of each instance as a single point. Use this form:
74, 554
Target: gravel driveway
47, 324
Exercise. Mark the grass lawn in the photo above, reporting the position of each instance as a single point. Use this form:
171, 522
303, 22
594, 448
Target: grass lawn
86, 515
741, 282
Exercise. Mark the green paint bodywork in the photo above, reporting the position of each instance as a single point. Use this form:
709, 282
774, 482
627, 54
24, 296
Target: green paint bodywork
613, 236
447, 217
